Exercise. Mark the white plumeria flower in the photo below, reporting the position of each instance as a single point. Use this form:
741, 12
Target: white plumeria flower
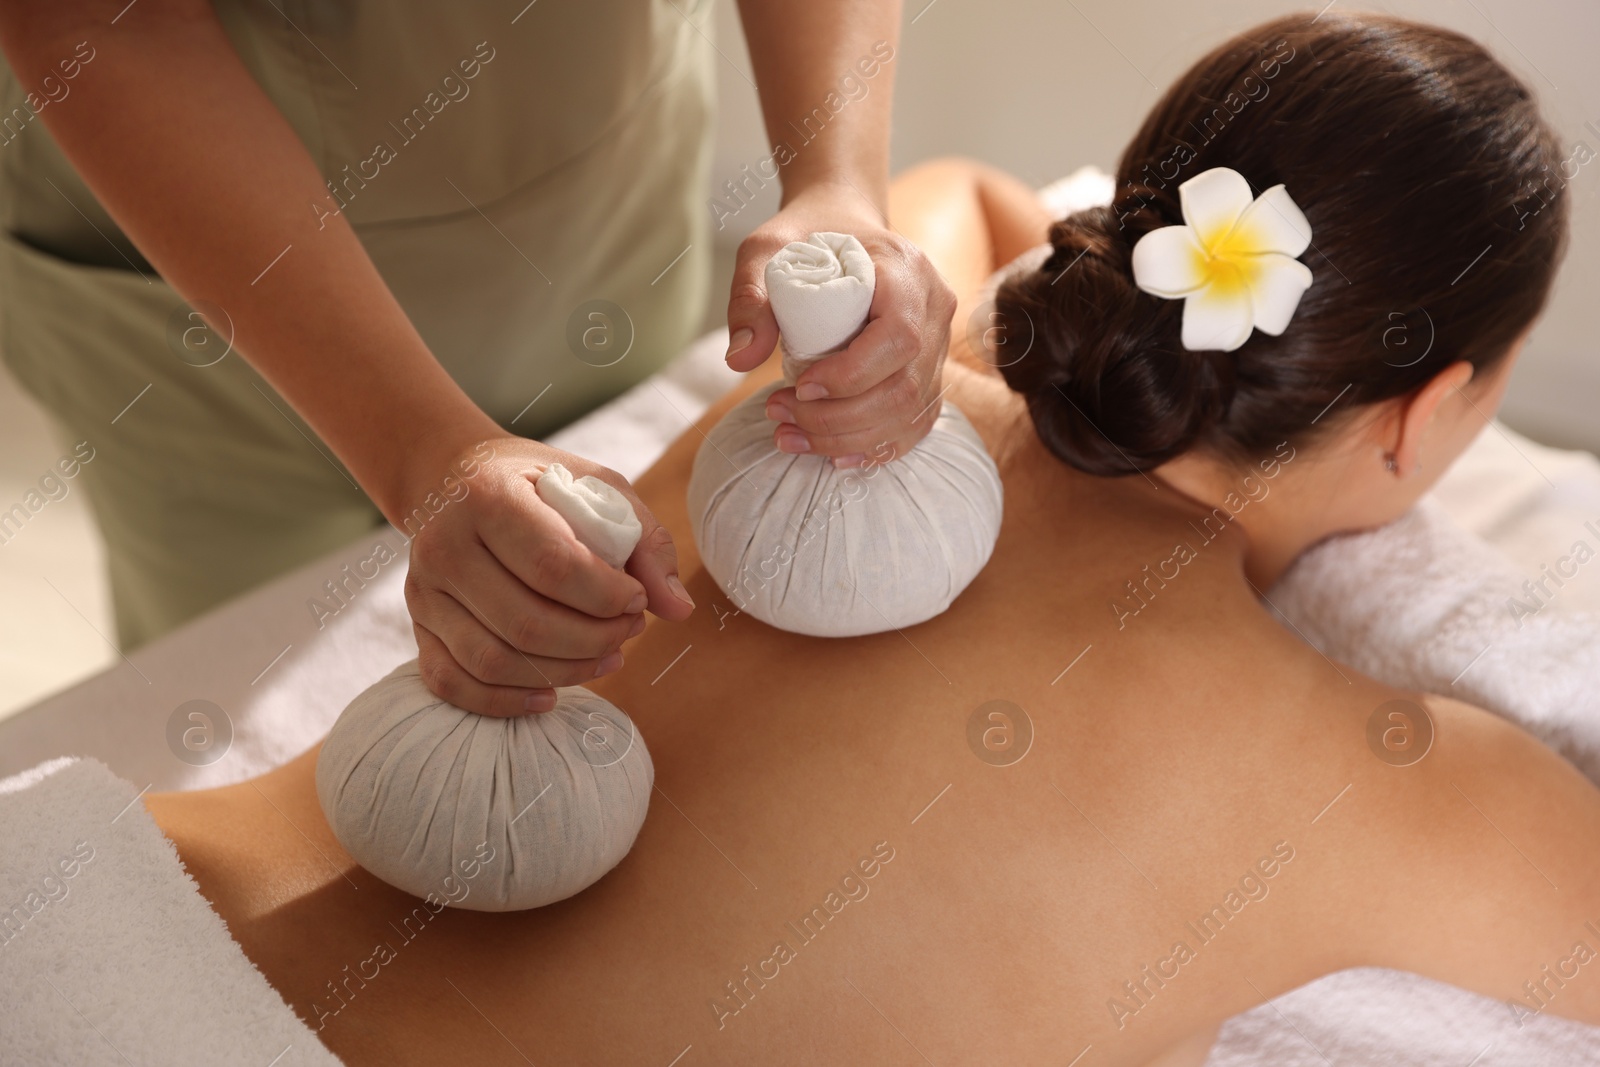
1233, 261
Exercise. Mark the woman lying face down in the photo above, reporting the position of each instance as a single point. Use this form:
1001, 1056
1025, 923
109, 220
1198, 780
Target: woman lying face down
1100, 804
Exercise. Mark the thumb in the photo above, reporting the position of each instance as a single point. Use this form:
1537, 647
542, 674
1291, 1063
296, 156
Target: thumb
752, 331
655, 564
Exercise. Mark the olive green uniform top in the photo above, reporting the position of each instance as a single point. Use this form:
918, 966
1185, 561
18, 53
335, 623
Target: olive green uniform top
528, 181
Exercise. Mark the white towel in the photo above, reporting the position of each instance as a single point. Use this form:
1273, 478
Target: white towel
420, 792
1370, 1017
1423, 604
108, 952
810, 548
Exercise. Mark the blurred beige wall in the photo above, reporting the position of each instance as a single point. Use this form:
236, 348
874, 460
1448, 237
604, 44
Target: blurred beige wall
1041, 86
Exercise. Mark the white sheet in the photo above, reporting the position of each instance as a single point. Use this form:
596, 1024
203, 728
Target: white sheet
281, 681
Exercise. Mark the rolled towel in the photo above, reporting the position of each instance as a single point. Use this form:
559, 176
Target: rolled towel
813, 549
530, 809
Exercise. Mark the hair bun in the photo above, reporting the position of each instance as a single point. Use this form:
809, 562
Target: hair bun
1110, 389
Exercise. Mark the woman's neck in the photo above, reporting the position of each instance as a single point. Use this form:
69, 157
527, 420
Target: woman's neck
1278, 509
1271, 501
1280, 504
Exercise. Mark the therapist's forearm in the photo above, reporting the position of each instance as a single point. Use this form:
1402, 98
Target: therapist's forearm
800, 51
205, 176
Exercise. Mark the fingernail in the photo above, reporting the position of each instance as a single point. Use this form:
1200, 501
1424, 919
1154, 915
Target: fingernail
793, 442
611, 663
810, 391
678, 590
636, 605
540, 700
637, 628
739, 341
852, 460
778, 413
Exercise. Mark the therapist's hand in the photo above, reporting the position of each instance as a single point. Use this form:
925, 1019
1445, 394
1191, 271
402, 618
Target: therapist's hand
505, 602
877, 398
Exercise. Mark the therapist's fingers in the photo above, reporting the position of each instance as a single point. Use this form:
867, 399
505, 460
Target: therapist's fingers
889, 346
867, 449
655, 563
520, 617
884, 388
752, 329
522, 621
535, 544
866, 423
486, 658
446, 679
508, 603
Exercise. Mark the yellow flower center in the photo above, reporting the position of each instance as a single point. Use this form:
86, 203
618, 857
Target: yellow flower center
1230, 258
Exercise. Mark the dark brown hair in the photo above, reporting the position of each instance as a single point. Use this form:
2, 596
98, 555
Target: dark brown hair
1433, 191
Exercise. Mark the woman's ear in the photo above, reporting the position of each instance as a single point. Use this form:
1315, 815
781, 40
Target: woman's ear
1416, 414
